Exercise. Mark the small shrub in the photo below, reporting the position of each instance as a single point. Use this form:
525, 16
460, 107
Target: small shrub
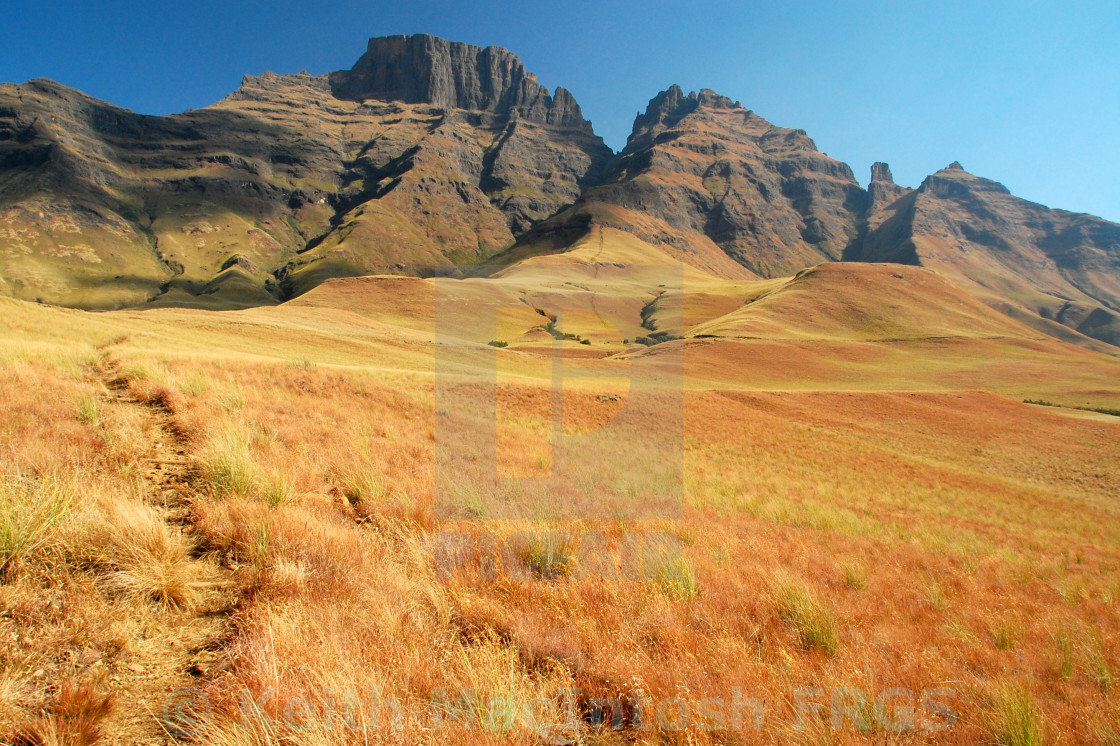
816, 625
497, 343
585, 341
1016, 721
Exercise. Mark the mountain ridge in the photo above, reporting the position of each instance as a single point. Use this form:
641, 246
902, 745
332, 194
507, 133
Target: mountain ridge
430, 156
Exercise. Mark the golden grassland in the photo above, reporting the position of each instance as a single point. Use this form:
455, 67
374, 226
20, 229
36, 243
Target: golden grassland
225, 527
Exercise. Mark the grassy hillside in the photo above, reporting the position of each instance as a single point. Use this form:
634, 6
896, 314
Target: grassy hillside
232, 527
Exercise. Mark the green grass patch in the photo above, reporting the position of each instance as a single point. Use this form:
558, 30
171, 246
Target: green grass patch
816, 625
228, 466
1064, 643
672, 573
855, 577
363, 487
30, 508
1005, 634
1016, 721
550, 554
89, 410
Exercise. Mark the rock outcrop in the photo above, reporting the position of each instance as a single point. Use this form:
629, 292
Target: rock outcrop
881, 190
424, 69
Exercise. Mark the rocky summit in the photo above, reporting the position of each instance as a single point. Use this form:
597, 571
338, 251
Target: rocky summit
431, 156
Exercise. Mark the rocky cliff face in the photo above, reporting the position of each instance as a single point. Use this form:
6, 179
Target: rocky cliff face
427, 153
1046, 267
701, 170
424, 69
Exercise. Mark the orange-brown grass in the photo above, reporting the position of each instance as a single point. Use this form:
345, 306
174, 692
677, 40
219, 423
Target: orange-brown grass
981, 527
91, 605
955, 540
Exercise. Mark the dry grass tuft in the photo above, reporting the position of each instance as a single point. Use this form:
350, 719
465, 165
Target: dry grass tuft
549, 554
135, 552
89, 410
74, 719
1005, 633
227, 462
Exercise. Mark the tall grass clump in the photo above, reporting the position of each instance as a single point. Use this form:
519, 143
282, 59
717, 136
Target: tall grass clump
30, 508
672, 573
1016, 721
227, 464
147, 370
194, 384
549, 554
138, 555
855, 577
277, 489
1098, 666
365, 486
816, 624
89, 410
1064, 643
1005, 634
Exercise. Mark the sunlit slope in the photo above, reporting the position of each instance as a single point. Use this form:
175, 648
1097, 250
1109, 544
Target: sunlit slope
864, 302
607, 287
615, 228
833, 327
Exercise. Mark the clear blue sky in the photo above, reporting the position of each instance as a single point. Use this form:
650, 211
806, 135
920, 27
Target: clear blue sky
1024, 92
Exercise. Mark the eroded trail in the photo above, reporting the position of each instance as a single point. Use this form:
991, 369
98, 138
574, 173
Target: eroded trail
182, 642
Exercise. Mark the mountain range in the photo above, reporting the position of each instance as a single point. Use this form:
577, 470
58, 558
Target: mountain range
435, 157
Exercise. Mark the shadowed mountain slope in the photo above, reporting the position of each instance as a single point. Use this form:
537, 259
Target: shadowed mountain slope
1056, 270
288, 180
700, 171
